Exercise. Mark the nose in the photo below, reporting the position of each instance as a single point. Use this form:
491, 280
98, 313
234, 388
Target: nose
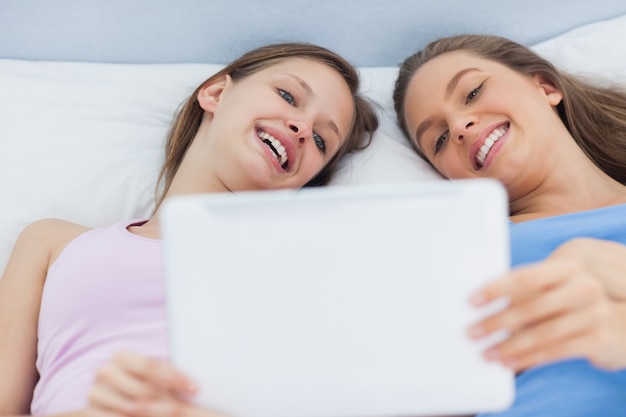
300, 128
462, 127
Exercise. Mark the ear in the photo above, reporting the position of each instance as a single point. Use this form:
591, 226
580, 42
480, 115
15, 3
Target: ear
209, 95
552, 93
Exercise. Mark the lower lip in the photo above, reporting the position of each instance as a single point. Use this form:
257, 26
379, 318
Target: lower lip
494, 150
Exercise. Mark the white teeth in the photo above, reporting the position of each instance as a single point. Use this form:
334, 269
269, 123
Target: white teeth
481, 155
276, 147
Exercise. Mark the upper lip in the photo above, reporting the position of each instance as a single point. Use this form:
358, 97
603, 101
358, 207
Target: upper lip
284, 140
480, 140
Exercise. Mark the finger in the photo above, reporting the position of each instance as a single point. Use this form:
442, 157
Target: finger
156, 372
571, 295
542, 336
600, 340
171, 407
105, 401
569, 349
119, 378
99, 412
522, 282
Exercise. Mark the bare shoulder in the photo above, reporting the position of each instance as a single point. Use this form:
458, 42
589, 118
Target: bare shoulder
43, 240
56, 227
52, 231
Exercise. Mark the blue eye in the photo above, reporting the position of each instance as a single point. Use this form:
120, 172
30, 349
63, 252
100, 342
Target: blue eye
474, 93
441, 140
319, 142
287, 96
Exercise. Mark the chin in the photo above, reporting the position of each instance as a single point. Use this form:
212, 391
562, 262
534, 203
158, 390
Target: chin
258, 182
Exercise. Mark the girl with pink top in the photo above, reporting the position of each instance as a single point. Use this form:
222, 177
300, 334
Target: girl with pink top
72, 298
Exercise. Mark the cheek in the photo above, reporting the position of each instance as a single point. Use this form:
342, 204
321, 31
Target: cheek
316, 164
444, 170
451, 167
312, 166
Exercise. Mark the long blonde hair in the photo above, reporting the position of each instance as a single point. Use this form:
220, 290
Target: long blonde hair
187, 122
594, 115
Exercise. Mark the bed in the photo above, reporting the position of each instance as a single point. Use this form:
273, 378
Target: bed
88, 88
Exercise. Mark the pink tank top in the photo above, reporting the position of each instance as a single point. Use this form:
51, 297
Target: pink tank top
105, 293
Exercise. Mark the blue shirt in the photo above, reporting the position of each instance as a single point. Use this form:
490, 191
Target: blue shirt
572, 388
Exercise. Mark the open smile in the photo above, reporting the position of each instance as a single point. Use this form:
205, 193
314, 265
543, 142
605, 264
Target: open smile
276, 147
483, 151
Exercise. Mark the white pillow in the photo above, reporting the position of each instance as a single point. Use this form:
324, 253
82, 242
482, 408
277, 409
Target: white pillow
390, 157
595, 50
83, 141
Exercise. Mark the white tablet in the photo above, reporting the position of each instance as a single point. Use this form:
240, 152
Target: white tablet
337, 301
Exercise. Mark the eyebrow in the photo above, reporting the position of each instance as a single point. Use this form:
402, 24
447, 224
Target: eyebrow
329, 123
423, 127
452, 84
454, 81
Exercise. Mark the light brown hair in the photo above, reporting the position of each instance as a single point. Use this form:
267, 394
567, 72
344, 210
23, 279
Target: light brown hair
595, 115
187, 122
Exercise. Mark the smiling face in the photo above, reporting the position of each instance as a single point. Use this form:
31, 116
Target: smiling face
276, 128
472, 117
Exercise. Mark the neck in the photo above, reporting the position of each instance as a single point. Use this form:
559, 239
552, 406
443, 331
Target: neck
193, 176
582, 186
151, 227
185, 183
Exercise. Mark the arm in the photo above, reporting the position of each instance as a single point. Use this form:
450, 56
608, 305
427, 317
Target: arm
571, 305
21, 287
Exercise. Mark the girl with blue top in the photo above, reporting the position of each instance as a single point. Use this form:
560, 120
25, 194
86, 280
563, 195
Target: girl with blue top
479, 106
